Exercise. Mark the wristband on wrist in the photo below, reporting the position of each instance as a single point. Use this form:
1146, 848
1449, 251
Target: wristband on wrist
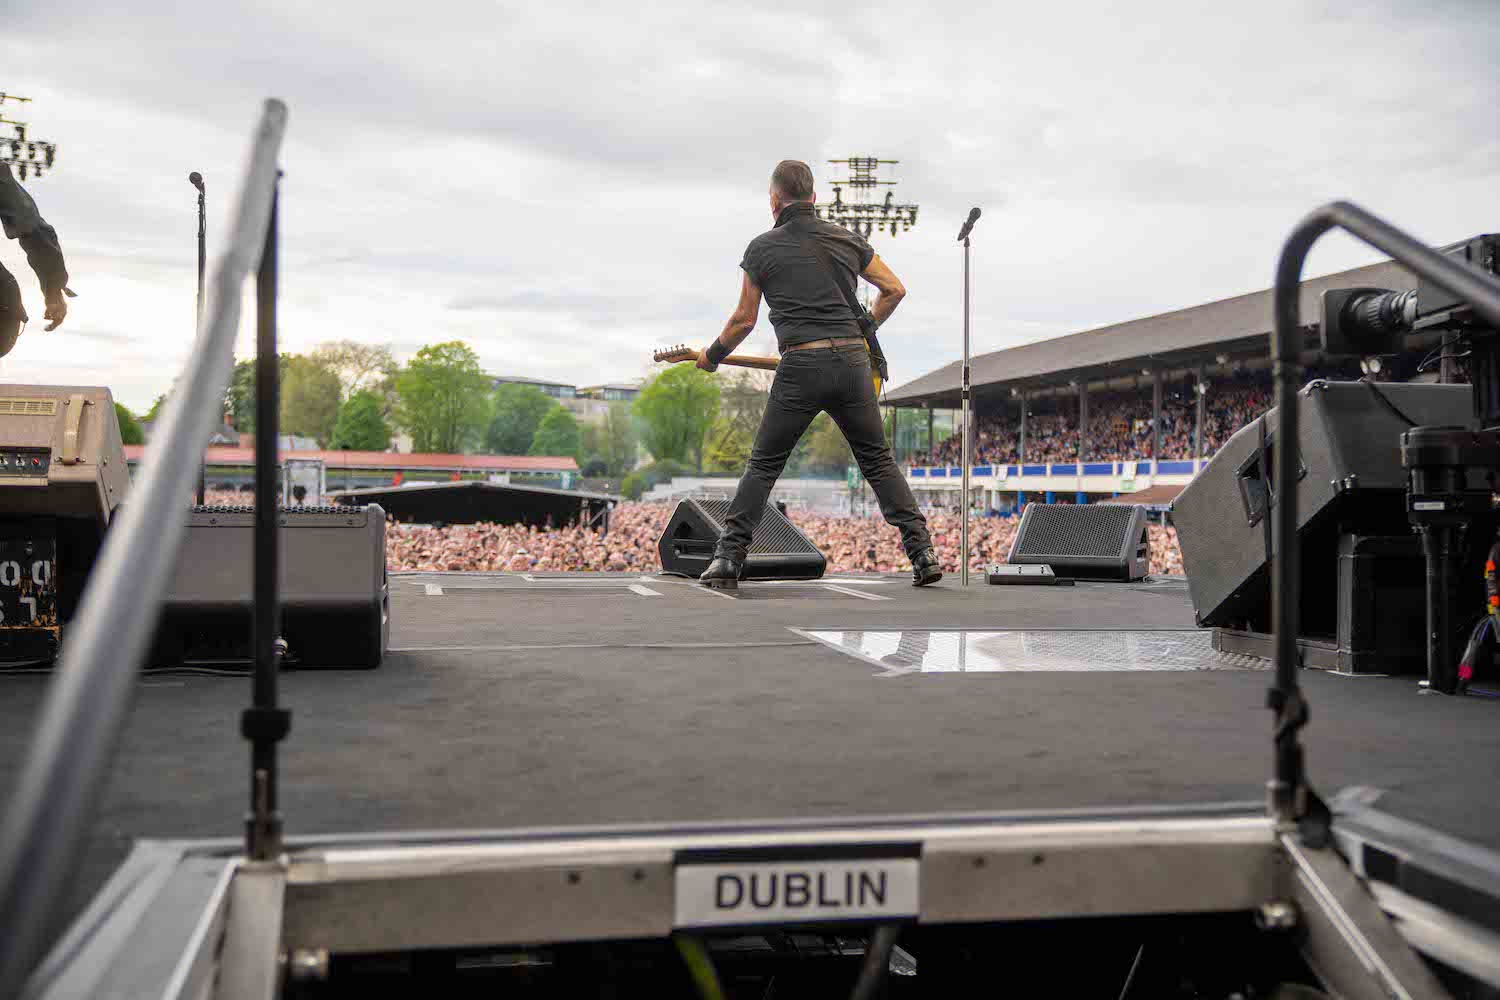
717, 352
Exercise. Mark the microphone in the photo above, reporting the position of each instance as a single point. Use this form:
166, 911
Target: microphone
963, 233
196, 180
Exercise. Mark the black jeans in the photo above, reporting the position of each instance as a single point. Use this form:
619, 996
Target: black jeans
836, 380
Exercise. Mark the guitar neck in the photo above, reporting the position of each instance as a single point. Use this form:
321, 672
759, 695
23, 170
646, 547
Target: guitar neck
753, 361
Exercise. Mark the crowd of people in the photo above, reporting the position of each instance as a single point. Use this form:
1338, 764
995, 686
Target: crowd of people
851, 544
1119, 426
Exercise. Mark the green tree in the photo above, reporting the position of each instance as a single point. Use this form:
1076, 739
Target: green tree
557, 435
239, 396
309, 398
517, 413
677, 409
728, 446
360, 426
357, 366
742, 404
827, 451
442, 398
647, 476
617, 439
130, 428
155, 411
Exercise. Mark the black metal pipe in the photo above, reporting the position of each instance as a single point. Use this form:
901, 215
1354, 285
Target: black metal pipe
1440, 547
1467, 283
264, 724
197, 181
875, 969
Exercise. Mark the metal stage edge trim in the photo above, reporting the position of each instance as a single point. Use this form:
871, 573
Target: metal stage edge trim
367, 893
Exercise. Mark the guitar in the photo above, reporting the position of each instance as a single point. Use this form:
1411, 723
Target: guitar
679, 354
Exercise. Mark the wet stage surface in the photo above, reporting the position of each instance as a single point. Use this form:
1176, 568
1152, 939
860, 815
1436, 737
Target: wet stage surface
519, 701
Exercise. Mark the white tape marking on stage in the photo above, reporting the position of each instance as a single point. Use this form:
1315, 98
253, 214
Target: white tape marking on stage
432, 590
855, 593
726, 894
636, 588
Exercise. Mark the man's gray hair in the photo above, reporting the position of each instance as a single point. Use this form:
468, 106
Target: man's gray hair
793, 180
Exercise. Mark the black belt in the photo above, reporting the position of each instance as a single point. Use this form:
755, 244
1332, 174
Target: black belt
832, 342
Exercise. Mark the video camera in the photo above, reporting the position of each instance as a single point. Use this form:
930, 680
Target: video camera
1451, 472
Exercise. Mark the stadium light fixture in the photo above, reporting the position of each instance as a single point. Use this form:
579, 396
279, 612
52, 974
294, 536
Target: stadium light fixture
31, 157
864, 212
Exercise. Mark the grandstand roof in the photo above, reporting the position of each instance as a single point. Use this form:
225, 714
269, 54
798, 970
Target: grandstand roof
388, 460
1184, 338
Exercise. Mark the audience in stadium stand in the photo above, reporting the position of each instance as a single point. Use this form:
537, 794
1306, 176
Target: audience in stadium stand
1119, 425
851, 544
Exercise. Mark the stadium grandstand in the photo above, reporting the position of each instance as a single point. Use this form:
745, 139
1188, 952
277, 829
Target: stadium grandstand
1122, 409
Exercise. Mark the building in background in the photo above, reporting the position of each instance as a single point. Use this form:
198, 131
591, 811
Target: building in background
611, 392
557, 390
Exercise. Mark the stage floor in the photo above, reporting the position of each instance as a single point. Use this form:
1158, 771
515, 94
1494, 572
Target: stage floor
511, 701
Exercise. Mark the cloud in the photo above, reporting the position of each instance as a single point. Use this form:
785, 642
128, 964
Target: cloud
567, 186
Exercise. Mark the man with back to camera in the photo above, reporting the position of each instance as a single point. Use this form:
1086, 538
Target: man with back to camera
825, 367
22, 222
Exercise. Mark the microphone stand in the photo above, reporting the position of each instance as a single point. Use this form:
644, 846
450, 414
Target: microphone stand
196, 179
963, 571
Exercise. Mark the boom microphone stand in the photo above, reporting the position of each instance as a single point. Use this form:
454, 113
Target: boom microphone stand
963, 571
196, 180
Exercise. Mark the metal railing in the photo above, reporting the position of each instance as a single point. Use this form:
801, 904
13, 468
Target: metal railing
1289, 799
74, 743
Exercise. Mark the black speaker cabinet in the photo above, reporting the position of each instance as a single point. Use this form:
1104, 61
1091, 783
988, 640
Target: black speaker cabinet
1351, 483
778, 550
335, 604
1084, 541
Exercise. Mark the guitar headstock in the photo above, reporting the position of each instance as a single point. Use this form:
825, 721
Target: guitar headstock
675, 354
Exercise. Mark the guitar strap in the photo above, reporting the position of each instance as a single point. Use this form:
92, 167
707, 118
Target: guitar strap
861, 315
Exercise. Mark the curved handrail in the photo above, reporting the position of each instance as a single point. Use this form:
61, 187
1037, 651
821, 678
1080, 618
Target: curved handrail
91, 690
1470, 284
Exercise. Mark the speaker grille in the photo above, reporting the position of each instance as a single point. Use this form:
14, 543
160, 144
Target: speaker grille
339, 509
12, 407
1086, 531
772, 534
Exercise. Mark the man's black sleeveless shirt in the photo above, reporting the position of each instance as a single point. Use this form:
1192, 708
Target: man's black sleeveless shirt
805, 306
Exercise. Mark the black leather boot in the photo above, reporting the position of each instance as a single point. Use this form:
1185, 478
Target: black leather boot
722, 574
925, 568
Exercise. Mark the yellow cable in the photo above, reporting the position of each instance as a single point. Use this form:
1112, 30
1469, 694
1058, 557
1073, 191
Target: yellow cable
695, 956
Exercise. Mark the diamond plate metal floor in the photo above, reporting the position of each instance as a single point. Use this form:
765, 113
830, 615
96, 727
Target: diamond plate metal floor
908, 651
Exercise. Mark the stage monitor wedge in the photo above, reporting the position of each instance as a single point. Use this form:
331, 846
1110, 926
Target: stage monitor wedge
1084, 541
778, 549
1352, 482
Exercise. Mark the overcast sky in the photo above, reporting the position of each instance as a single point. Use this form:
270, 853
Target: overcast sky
568, 186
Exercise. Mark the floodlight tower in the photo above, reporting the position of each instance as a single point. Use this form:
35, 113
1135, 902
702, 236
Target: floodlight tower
29, 156
866, 212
